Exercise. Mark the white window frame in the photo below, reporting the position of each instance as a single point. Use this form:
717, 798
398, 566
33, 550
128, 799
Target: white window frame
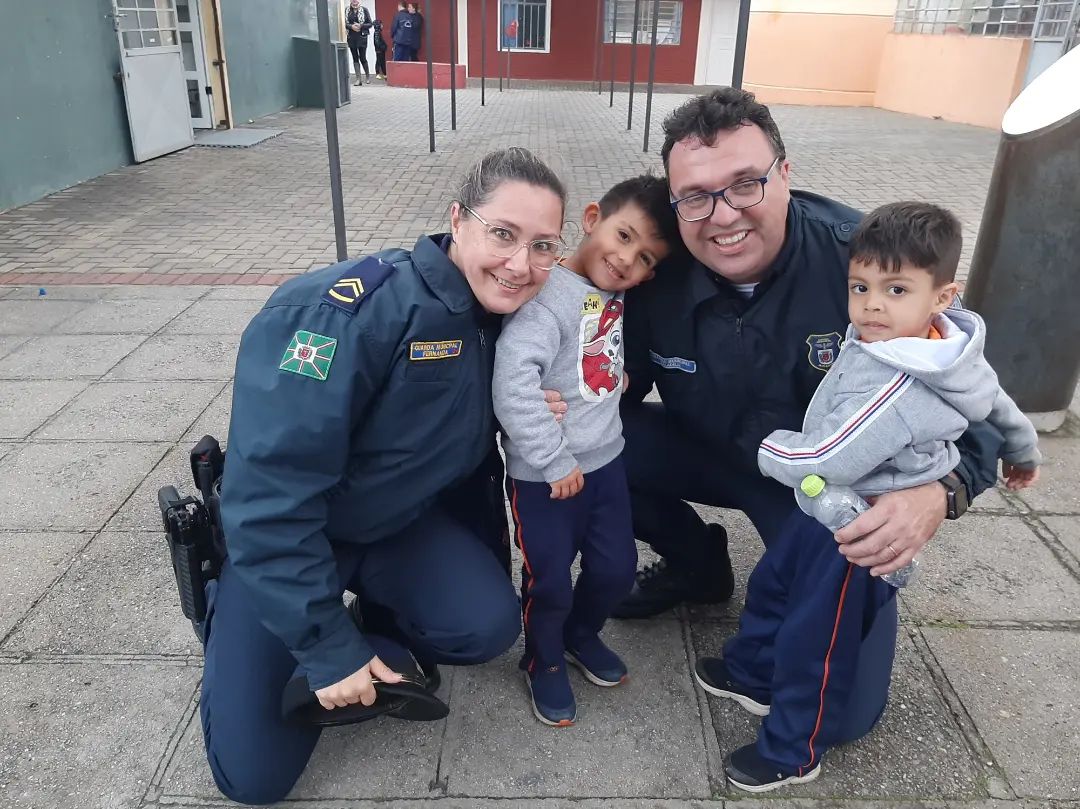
625, 37
547, 41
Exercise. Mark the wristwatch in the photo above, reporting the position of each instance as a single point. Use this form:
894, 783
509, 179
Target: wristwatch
956, 496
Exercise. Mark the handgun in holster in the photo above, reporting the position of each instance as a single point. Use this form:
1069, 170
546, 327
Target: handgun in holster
193, 530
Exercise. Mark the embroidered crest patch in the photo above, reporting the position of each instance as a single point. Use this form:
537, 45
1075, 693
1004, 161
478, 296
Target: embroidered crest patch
823, 349
309, 355
434, 350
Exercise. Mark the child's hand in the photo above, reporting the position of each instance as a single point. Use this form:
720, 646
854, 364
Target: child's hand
625, 382
1017, 478
568, 486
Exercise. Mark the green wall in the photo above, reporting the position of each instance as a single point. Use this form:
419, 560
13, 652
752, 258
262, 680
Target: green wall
61, 111
258, 49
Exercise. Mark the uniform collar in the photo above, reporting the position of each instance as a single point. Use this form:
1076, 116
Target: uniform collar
705, 284
441, 275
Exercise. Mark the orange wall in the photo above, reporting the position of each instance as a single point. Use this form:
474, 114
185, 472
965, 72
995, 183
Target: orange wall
825, 59
967, 79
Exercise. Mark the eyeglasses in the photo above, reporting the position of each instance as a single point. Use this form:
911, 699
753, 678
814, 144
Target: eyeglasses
543, 254
743, 194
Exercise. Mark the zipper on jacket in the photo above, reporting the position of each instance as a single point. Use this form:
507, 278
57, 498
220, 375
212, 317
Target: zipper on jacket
752, 398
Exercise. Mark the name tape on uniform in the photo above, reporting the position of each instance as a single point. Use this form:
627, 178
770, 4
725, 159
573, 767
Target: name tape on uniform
674, 363
434, 350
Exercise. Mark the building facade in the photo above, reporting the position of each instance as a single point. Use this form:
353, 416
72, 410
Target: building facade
572, 40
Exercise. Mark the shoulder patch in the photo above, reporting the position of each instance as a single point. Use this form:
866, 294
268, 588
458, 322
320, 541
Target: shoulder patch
357, 280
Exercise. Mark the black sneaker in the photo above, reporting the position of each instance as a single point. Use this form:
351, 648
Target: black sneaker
712, 675
748, 771
432, 677
661, 587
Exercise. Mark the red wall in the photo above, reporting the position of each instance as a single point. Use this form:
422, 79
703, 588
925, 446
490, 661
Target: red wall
574, 40
438, 24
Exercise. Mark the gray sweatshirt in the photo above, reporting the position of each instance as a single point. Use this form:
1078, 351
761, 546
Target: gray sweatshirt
569, 339
886, 414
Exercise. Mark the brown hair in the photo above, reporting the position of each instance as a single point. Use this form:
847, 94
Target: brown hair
916, 233
723, 109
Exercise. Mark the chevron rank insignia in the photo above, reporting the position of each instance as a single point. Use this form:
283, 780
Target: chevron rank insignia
355, 282
309, 355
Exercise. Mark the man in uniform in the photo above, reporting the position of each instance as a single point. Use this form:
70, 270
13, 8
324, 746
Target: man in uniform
736, 343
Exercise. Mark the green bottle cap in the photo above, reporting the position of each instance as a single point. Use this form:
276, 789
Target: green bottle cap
812, 485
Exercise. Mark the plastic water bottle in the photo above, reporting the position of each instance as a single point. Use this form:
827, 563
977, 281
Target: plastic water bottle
836, 506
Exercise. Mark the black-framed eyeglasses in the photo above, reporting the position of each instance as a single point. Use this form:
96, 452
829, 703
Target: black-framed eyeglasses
743, 194
543, 254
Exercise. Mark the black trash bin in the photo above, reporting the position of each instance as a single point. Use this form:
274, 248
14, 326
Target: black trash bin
1025, 273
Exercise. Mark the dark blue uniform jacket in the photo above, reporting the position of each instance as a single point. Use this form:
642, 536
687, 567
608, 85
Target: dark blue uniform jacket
405, 29
732, 370
355, 449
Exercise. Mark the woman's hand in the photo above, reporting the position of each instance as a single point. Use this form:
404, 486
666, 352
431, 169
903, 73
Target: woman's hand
357, 687
895, 529
555, 404
568, 486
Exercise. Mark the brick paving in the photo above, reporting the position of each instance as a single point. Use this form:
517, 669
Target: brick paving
259, 215
104, 389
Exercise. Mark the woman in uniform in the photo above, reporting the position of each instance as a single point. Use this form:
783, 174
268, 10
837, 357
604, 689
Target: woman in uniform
361, 424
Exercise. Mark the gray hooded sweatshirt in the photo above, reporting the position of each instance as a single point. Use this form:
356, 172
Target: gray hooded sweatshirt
886, 414
569, 339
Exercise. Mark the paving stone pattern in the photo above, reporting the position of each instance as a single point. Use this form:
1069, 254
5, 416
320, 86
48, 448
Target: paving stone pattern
249, 215
103, 389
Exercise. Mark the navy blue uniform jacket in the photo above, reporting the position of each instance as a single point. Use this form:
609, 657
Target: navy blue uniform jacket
353, 450
406, 28
732, 370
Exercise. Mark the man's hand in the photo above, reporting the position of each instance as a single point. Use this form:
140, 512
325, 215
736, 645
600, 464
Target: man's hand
568, 486
357, 687
1017, 478
895, 529
555, 404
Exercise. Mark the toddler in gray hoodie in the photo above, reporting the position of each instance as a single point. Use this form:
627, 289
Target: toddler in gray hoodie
566, 482
910, 375
907, 381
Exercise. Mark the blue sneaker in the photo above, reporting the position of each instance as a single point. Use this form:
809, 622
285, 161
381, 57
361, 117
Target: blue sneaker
712, 675
597, 662
552, 700
747, 770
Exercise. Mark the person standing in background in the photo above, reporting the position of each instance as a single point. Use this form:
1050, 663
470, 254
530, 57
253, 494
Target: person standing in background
358, 24
380, 50
405, 34
418, 27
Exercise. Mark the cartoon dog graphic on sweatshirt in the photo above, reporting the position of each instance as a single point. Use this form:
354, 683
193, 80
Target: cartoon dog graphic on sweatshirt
602, 352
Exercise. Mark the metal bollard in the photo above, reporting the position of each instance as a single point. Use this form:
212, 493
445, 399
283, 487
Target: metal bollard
1025, 273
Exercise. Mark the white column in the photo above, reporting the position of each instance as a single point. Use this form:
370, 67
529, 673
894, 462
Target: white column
463, 34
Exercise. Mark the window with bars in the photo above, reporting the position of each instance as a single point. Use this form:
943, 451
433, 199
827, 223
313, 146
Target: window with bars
525, 24
621, 14
1017, 18
147, 23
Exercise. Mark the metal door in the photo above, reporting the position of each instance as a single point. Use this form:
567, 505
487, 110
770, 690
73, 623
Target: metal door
151, 67
1053, 35
189, 28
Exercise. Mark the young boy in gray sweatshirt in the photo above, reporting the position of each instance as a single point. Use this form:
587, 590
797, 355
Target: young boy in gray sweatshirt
909, 378
565, 480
